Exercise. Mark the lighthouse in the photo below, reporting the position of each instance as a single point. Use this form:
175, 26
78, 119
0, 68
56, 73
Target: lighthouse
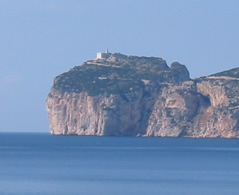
103, 55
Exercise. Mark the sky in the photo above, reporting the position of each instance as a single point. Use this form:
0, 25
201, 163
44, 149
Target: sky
40, 39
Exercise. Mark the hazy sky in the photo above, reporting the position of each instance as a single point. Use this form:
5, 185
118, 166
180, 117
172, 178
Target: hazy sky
40, 39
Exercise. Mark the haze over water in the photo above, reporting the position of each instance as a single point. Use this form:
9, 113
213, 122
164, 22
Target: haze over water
32, 163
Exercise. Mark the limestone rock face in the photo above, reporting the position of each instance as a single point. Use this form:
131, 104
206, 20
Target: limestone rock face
142, 96
81, 114
195, 109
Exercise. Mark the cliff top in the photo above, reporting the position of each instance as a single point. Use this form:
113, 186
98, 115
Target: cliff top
118, 73
233, 73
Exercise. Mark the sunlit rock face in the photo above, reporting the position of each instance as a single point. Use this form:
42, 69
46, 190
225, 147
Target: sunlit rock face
123, 95
204, 108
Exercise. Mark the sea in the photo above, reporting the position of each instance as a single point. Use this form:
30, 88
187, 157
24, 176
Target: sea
39, 163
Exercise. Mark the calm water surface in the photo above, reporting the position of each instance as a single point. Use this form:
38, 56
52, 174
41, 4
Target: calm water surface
32, 163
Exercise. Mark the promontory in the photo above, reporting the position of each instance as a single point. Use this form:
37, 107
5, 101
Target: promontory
120, 95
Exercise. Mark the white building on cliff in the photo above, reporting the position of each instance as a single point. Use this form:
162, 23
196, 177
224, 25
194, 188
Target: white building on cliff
102, 55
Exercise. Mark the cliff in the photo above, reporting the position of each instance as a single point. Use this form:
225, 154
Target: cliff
142, 96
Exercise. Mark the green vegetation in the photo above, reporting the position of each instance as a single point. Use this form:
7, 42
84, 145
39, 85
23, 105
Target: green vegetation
118, 75
229, 73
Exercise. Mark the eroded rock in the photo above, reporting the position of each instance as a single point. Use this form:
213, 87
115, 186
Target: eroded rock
141, 96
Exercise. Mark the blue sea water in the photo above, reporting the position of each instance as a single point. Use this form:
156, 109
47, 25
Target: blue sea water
38, 163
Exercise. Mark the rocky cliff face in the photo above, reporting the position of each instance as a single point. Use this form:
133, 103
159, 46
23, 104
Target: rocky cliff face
199, 108
142, 96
